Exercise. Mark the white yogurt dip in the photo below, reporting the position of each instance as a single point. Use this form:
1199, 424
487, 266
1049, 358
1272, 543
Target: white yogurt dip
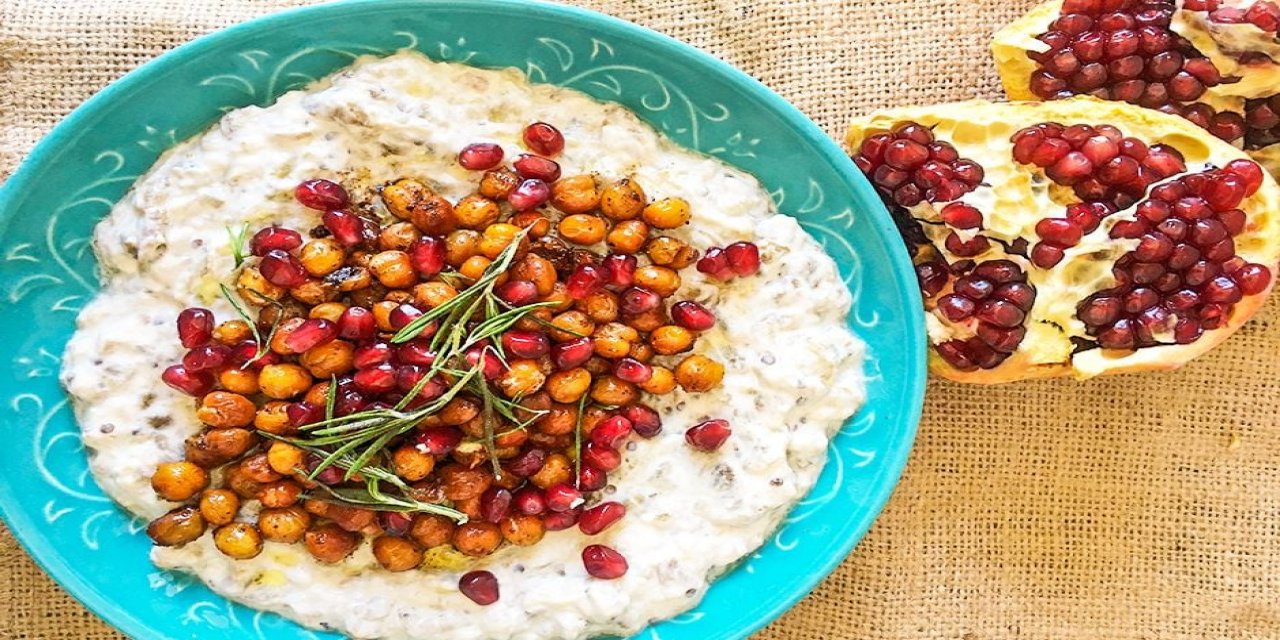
794, 370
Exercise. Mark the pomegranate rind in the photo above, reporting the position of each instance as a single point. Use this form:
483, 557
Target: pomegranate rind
1011, 203
1010, 45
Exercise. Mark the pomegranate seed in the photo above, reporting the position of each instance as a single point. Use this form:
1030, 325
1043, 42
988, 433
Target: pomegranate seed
529, 194
563, 497
303, 413
584, 281
357, 323
480, 156
1252, 278
537, 167
247, 352
492, 367
321, 195
408, 376
206, 357
404, 314
427, 255
905, 154
1000, 313
1153, 247
1249, 172
932, 276
603, 563
601, 517
744, 258
195, 327
438, 441
347, 228
349, 402
602, 458
1059, 231
715, 263
526, 344
312, 333
961, 216
1001, 340
543, 138
480, 586
192, 383
611, 431
1187, 331
638, 300
372, 354
708, 435
955, 354
517, 293
692, 316
528, 462
633, 371
395, 524
592, 478
1222, 289
956, 308
644, 420
1117, 336
572, 353
966, 248
274, 238
377, 379
529, 501
1020, 294
561, 520
495, 504
619, 270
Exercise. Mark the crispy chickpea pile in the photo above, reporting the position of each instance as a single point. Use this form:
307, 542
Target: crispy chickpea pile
589, 263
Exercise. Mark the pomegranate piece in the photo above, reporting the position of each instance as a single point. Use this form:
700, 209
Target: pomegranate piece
402, 315
312, 333
528, 462
480, 156
416, 352
195, 327
692, 316
592, 478
619, 271
644, 420
708, 435
563, 497
637, 300
357, 323
206, 357
743, 257
561, 520
601, 517
529, 501
427, 255
715, 263
529, 194
492, 367
908, 166
586, 280
603, 562
372, 354
495, 504
376, 379
274, 238
529, 166
601, 457
192, 383
632, 370
321, 195
439, 441
526, 344
517, 293
347, 228
611, 432
303, 413
395, 524
572, 353
481, 587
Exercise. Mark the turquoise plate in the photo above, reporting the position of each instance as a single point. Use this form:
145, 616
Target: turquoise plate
70, 181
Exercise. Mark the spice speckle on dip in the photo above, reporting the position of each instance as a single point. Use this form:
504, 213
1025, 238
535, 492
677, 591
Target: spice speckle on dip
750, 376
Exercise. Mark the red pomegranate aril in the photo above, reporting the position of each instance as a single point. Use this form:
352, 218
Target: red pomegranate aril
527, 462
1146, 272
956, 308
619, 270
408, 376
692, 316
1001, 340
603, 562
1020, 294
480, 156
1153, 247
321, 195
1249, 172
744, 258
1220, 251
313, 332
427, 255
372, 354
602, 458
376, 379
955, 354
601, 517
526, 344
350, 402
932, 277
195, 327
966, 248
303, 413
492, 365
481, 587
357, 323
633, 371
1118, 336
905, 154
439, 441
529, 194
394, 523
517, 293
563, 497
961, 216
192, 383
1222, 289
571, 353
586, 280
543, 138
592, 478
402, 315
561, 520
715, 263
529, 501
611, 432
1000, 313
495, 504
1252, 278
249, 353
206, 357
1187, 330
708, 435
637, 300
545, 169
1139, 299
974, 288
1059, 231
1234, 220
644, 420
274, 238
347, 228
1045, 255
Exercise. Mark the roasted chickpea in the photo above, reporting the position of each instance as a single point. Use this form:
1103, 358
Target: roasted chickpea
641, 351
238, 540
614, 340
331, 311
382, 314
235, 478
351, 518
431, 530
474, 267
178, 481
411, 200
496, 238
560, 419
393, 269
627, 236
477, 539
257, 468
666, 251
351, 279
535, 320
575, 194
622, 200
571, 325
272, 418
232, 332
321, 257
313, 292
613, 392
219, 506
671, 339
521, 378
282, 381
433, 294
237, 380
176, 528
284, 525
398, 236
225, 410
214, 447
459, 410
316, 508
660, 280
523, 530
538, 270
461, 483
555, 470
286, 459
568, 386
330, 543
332, 358
667, 213
663, 381
280, 494
279, 340
510, 439
582, 228
647, 321
597, 366
497, 184
537, 224
559, 296
396, 554
699, 373
476, 212
601, 306
255, 289
593, 416
412, 464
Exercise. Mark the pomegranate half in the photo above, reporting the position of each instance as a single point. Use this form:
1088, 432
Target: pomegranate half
1074, 237
1214, 62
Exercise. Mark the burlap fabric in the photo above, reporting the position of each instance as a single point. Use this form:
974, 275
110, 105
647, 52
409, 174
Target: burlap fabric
1137, 507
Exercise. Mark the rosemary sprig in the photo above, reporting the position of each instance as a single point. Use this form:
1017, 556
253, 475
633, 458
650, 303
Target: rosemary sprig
237, 239
263, 345
577, 443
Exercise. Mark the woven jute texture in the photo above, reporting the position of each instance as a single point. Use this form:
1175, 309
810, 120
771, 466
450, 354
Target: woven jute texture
1136, 507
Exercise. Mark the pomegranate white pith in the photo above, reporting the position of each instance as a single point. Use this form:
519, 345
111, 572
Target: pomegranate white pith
1101, 238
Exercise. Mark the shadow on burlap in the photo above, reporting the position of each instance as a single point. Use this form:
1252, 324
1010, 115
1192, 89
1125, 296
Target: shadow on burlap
1133, 507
